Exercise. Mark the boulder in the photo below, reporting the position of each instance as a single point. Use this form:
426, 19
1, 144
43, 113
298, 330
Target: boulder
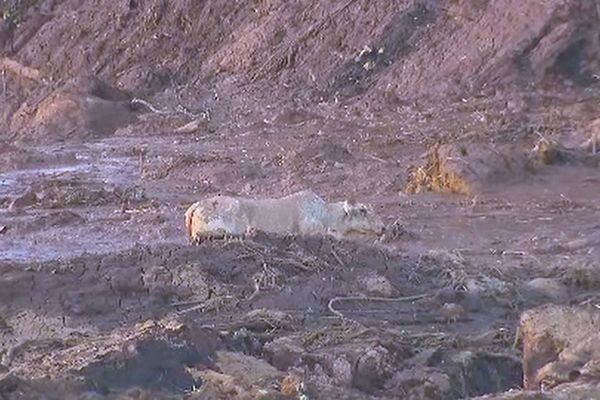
547, 331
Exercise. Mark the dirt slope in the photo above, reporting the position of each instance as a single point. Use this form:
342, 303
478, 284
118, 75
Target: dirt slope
381, 51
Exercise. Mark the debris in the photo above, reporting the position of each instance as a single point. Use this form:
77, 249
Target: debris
365, 298
190, 127
148, 105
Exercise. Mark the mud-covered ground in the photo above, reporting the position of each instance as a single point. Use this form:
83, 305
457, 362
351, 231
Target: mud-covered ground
101, 296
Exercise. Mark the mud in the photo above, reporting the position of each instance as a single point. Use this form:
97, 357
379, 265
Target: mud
471, 127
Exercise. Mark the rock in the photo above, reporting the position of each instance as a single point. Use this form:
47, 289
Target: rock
291, 385
319, 376
549, 329
554, 374
548, 288
342, 371
488, 285
421, 383
425, 357
221, 386
248, 370
591, 368
377, 285
284, 353
239, 377
372, 369
270, 319
581, 359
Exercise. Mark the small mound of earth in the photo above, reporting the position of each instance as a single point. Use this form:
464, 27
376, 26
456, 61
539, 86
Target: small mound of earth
85, 107
466, 168
469, 168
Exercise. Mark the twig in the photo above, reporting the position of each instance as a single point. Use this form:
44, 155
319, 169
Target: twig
337, 258
426, 335
190, 127
256, 291
366, 298
183, 110
202, 305
149, 106
187, 303
141, 161
294, 263
192, 309
374, 157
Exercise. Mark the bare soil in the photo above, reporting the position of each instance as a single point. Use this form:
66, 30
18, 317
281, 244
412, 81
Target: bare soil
116, 116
